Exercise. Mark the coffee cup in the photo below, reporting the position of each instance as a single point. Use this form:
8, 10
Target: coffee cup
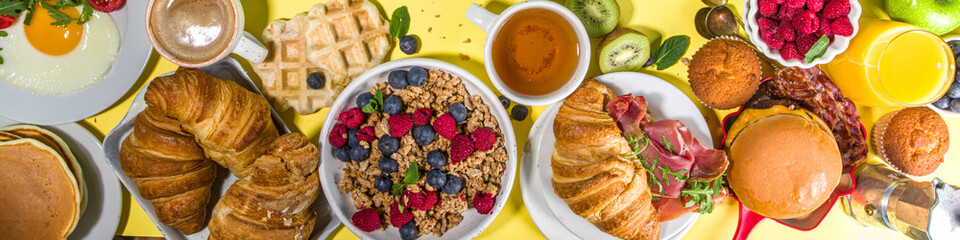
194, 33
560, 73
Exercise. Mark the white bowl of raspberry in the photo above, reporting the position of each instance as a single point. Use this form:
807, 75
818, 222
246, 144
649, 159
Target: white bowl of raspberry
786, 30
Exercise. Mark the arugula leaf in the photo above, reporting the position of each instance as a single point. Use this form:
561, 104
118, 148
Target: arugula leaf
668, 145
12, 7
702, 193
399, 22
671, 51
817, 50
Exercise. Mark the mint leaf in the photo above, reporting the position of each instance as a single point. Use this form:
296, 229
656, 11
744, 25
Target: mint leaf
817, 50
412, 175
12, 7
375, 105
399, 22
397, 188
671, 51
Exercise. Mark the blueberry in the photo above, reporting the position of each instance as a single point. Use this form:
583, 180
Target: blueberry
393, 105
423, 135
316, 80
417, 76
942, 103
383, 183
458, 111
955, 105
954, 91
359, 153
955, 47
388, 144
342, 153
519, 112
352, 138
364, 99
453, 185
436, 159
409, 231
387, 164
436, 178
504, 101
397, 79
649, 61
409, 44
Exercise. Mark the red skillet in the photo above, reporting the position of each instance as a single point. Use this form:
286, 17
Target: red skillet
749, 219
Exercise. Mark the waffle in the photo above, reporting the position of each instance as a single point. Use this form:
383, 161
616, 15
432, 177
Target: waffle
341, 39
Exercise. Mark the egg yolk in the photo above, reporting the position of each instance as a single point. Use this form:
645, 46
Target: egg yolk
50, 39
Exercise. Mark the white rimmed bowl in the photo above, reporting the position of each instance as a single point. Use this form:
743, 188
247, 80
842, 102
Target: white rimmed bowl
839, 44
947, 112
331, 169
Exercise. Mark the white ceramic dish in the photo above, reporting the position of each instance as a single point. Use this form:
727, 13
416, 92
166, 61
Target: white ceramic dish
551, 215
227, 68
839, 44
102, 215
331, 169
946, 112
43, 109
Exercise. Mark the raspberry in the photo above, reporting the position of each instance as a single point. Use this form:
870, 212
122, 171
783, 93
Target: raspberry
836, 8
842, 26
825, 28
483, 138
366, 134
445, 126
787, 13
768, 8
422, 116
353, 118
414, 199
460, 148
805, 42
790, 52
429, 201
786, 32
815, 5
366, 219
338, 136
778, 2
766, 24
797, 4
400, 124
772, 39
397, 218
806, 22
483, 202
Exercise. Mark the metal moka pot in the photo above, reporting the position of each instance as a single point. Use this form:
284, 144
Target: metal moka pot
885, 198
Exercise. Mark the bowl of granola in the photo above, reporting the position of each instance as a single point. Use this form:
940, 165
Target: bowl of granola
417, 148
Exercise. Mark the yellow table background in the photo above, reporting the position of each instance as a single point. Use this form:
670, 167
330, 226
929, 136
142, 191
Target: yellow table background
446, 35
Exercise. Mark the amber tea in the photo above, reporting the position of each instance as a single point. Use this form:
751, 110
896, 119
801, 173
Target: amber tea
535, 52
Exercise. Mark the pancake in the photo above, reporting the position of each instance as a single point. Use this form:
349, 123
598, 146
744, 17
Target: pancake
57, 144
39, 196
5, 136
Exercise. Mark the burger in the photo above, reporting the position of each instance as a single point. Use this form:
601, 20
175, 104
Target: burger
789, 144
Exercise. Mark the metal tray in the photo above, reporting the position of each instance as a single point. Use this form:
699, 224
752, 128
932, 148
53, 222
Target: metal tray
229, 69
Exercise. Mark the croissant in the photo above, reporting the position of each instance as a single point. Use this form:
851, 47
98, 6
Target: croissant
593, 171
232, 124
170, 170
276, 201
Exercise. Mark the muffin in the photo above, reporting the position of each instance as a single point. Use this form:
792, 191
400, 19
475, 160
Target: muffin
724, 73
912, 140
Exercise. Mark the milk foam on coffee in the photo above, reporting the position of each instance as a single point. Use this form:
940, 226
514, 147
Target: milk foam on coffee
193, 30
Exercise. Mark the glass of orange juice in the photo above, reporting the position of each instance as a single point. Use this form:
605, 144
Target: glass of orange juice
892, 64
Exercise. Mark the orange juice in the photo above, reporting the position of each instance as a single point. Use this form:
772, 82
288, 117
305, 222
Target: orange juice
892, 64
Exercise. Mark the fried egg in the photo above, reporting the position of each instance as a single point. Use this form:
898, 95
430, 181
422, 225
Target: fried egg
48, 59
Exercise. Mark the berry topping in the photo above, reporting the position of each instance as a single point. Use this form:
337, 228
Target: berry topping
806, 22
359, 153
790, 52
409, 45
815, 5
436, 159
483, 138
483, 202
400, 124
458, 111
445, 126
397, 79
409, 231
316, 80
417, 76
352, 140
388, 145
430, 201
338, 136
786, 32
397, 218
413, 199
768, 8
393, 105
387, 164
422, 116
795, 3
842, 26
363, 99
342, 153
423, 135
366, 219
366, 134
453, 185
383, 183
772, 39
436, 178
767, 24
805, 42
460, 148
836, 8
353, 117
787, 13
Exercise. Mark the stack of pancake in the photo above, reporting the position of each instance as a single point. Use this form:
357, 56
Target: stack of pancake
42, 190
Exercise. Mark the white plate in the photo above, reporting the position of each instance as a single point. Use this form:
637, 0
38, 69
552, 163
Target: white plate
229, 69
331, 169
100, 218
56, 109
551, 215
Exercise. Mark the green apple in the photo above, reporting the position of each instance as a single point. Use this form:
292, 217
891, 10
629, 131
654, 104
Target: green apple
936, 16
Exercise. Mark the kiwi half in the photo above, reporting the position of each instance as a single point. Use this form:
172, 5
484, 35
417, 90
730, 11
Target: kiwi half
624, 50
599, 17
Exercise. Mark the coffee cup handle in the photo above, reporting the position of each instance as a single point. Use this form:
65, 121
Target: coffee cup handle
249, 48
480, 17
